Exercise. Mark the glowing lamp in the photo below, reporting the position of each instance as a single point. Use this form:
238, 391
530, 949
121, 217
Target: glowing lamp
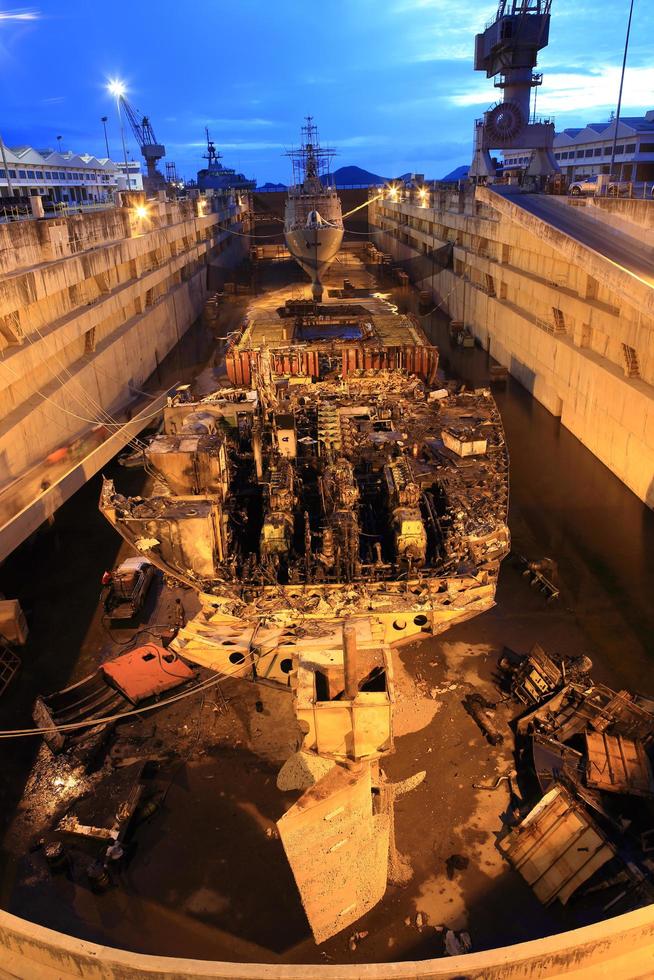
116, 88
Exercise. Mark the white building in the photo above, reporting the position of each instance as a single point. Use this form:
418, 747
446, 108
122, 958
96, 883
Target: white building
57, 177
587, 151
135, 176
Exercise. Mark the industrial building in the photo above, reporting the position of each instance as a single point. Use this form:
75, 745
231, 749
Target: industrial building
587, 151
57, 177
135, 179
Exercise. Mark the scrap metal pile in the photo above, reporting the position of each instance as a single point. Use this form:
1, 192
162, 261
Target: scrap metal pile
335, 503
367, 492
589, 749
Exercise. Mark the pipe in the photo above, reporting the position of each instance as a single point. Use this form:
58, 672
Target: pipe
350, 664
256, 445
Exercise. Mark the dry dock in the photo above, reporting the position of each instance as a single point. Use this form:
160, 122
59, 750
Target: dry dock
206, 879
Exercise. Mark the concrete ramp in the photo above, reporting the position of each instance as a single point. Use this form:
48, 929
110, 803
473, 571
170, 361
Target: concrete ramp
620, 261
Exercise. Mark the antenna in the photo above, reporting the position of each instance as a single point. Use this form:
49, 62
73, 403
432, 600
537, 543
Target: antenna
212, 154
311, 162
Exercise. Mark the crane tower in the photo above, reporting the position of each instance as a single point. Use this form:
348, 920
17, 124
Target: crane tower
508, 51
151, 150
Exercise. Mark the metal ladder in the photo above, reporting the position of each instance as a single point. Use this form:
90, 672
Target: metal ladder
9, 664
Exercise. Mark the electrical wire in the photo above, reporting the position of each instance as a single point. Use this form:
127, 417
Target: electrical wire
108, 719
81, 418
105, 417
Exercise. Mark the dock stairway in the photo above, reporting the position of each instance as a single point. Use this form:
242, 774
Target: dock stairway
632, 367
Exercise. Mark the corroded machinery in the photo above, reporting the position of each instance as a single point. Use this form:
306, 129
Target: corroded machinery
336, 504
371, 495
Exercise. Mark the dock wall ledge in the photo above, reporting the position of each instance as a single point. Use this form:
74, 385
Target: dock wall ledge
621, 948
90, 307
634, 216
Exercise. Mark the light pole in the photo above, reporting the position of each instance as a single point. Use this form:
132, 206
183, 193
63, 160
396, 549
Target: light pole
10, 187
59, 139
617, 115
117, 89
106, 141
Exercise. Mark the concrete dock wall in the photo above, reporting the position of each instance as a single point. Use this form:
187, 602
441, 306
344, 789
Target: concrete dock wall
634, 216
558, 317
620, 949
89, 305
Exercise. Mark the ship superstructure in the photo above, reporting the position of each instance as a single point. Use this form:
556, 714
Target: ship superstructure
313, 222
218, 178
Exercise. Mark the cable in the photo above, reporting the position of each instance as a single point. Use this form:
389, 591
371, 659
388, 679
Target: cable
81, 418
444, 300
370, 200
90, 404
90, 723
242, 234
93, 404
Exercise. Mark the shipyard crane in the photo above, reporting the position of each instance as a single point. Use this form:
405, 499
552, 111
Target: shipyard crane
508, 48
147, 141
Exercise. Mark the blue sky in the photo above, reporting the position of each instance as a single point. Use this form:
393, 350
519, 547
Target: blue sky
390, 82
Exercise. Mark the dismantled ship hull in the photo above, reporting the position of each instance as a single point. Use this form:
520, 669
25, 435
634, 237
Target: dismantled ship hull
331, 504
360, 500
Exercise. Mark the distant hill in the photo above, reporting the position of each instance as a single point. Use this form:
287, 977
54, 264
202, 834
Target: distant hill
343, 177
459, 174
346, 176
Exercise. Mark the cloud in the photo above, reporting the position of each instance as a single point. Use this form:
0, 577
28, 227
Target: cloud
20, 15
231, 123
353, 141
576, 91
447, 34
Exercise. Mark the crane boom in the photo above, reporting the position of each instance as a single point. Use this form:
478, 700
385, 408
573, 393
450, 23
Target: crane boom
147, 141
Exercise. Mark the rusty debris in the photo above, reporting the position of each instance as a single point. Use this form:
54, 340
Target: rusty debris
557, 847
332, 500
589, 750
481, 710
333, 478
112, 689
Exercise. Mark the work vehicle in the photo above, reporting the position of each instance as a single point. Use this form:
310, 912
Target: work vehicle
124, 590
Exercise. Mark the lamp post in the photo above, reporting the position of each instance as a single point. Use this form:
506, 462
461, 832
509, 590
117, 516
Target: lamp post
117, 89
10, 187
59, 139
103, 120
617, 115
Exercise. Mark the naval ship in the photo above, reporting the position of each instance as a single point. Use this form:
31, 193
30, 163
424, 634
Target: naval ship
218, 178
313, 223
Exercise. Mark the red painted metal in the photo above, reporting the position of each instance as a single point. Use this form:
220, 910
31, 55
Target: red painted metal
146, 671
